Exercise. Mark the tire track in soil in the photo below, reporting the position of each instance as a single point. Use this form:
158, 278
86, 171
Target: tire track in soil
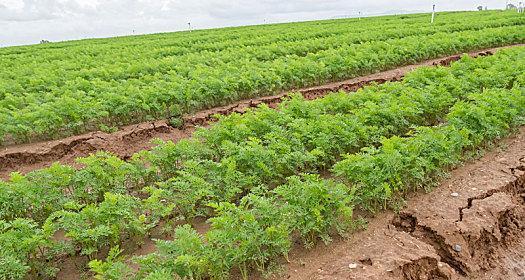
479, 234
133, 138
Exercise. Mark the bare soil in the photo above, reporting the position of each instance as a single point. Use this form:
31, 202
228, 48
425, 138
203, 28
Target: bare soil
133, 138
470, 227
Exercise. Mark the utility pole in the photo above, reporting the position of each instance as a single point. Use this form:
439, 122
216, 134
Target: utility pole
433, 13
189, 26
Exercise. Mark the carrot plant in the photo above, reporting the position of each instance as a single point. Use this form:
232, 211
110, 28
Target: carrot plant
399, 163
253, 233
315, 207
25, 249
112, 268
115, 219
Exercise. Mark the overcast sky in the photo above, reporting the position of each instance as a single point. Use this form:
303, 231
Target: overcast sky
29, 21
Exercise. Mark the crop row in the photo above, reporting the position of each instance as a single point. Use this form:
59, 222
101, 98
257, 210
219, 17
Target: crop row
55, 74
111, 201
226, 38
49, 101
261, 228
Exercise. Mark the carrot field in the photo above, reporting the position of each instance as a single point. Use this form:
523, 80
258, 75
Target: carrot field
255, 177
235, 198
55, 90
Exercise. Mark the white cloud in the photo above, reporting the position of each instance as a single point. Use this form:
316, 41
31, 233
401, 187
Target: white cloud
29, 21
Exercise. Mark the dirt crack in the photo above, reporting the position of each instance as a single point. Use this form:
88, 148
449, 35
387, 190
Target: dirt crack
512, 189
430, 237
496, 219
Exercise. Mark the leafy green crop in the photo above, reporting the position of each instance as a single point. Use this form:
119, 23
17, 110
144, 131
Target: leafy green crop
239, 237
72, 87
24, 245
115, 219
401, 163
113, 268
246, 174
315, 206
250, 235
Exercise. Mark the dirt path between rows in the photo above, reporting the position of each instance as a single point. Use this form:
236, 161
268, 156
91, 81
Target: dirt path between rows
133, 138
470, 227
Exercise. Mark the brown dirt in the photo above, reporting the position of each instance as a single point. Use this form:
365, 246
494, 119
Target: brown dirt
479, 234
133, 138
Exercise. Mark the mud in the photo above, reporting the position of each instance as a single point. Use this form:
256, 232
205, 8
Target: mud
133, 138
479, 234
